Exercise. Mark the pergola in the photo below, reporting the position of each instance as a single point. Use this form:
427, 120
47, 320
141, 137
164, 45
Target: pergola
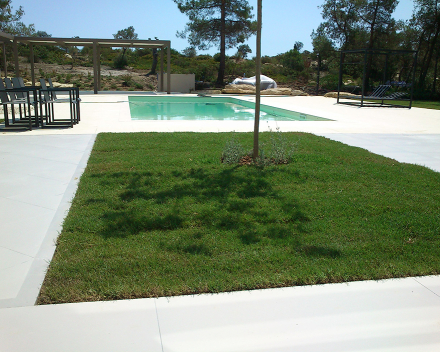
370, 100
96, 44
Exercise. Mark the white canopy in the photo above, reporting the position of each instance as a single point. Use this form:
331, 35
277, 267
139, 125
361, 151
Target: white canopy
265, 82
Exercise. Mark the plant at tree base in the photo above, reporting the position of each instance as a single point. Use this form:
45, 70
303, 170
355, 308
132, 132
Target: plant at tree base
233, 152
279, 150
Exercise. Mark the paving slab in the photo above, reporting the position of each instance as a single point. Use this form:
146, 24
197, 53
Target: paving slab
38, 179
93, 327
420, 149
390, 315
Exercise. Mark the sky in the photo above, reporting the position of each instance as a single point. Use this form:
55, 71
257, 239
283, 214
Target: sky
284, 21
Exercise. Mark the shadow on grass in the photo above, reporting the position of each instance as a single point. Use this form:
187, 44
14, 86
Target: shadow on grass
318, 251
241, 200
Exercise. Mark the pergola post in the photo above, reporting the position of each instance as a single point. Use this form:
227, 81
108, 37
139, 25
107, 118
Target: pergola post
169, 69
162, 85
95, 67
98, 56
31, 54
17, 67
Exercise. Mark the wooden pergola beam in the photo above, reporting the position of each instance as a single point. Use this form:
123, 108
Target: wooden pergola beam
95, 43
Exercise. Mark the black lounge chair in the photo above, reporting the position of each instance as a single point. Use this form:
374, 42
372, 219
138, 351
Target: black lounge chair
379, 92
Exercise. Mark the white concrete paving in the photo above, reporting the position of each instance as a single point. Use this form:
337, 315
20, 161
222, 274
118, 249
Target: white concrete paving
390, 315
39, 172
38, 179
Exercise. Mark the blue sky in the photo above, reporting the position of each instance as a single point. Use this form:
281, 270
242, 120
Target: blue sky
284, 21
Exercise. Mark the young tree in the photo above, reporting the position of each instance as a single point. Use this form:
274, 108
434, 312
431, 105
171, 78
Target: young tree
224, 23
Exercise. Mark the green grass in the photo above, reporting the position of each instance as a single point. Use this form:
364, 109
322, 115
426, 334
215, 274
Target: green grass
426, 104
158, 215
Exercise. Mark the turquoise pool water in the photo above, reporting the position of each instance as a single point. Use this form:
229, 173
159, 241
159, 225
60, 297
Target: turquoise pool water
207, 108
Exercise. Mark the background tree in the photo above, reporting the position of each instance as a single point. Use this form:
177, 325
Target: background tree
340, 18
243, 51
190, 52
293, 60
357, 24
10, 20
224, 23
426, 22
126, 34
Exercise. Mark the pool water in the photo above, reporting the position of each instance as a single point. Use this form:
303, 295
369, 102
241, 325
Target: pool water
207, 108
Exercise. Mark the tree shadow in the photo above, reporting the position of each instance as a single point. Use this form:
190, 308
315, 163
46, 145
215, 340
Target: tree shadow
236, 199
320, 252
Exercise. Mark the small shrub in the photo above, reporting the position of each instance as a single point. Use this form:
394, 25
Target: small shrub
120, 61
233, 152
280, 148
127, 81
138, 86
330, 82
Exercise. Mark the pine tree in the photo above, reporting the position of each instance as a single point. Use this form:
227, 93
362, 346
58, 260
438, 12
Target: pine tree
224, 23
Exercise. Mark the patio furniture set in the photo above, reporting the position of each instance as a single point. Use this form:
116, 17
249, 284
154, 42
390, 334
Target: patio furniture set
36, 104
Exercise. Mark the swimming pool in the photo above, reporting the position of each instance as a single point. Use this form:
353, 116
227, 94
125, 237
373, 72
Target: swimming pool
207, 108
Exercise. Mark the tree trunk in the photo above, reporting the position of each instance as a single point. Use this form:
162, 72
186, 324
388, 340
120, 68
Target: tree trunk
258, 88
370, 46
222, 67
154, 64
432, 46
434, 87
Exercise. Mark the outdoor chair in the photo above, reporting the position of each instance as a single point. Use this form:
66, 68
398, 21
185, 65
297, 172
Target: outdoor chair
17, 98
48, 99
21, 96
75, 97
8, 98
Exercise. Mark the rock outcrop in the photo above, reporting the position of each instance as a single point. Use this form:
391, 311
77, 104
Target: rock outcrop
277, 91
239, 89
341, 95
297, 92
